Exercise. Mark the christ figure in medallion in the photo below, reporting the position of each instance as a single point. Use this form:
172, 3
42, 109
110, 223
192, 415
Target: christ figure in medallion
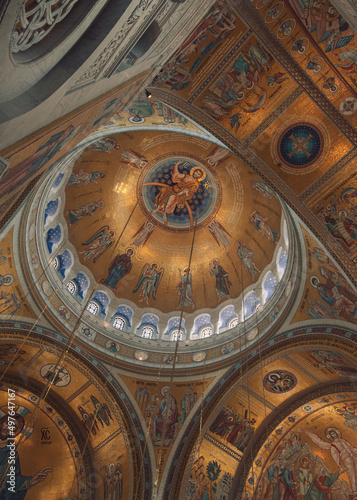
178, 195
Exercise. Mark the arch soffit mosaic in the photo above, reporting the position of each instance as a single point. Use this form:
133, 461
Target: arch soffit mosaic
337, 341
86, 406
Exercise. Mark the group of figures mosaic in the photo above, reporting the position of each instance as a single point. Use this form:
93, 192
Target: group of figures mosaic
340, 216
337, 300
329, 33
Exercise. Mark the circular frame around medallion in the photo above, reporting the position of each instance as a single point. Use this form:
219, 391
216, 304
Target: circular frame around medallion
294, 143
207, 197
288, 124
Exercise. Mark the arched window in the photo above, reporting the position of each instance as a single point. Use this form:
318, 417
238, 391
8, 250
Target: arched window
233, 323
281, 261
71, 287
269, 285
176, 335
119, 323
206, 332
93, 307
147, 332
250, 304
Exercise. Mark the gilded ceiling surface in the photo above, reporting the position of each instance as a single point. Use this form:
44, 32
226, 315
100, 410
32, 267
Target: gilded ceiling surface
235, 184
142, 208
89, 437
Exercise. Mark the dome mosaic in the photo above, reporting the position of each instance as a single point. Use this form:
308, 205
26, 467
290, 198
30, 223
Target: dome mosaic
165, 236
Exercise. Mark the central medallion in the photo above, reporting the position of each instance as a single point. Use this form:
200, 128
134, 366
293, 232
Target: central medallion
177, 192
300, 145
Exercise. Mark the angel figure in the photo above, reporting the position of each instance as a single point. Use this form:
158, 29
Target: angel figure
102, 412
134, 159
219, 233
98, 243
143, 234
149, 281
89, 421
342, 451
216, 156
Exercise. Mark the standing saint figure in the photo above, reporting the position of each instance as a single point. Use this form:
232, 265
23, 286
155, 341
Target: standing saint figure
32, 164
98, 243
261, 225
118, 268
222, 280
246, 255
185, 289
105, 144
148, 282
165, 418
305, 476
341, 450
184, 189
113, 489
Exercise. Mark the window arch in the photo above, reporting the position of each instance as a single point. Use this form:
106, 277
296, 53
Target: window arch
71, 287
282, 258
93, 307
123, 313
250, 304
233, 323
119, 323
201, 322
176, 335
78, 286
53, 237
205, 332
269, 285
147, 332
148, 322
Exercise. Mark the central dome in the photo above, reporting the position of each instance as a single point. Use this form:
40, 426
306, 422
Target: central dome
163, 235
132, 210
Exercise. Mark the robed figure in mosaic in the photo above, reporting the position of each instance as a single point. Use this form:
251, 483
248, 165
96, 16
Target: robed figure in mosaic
119, 267
184, 188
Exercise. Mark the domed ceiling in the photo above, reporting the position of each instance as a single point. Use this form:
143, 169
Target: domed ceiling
142, 208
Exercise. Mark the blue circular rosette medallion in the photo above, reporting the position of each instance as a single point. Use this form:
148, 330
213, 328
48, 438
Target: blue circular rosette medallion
300, 145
